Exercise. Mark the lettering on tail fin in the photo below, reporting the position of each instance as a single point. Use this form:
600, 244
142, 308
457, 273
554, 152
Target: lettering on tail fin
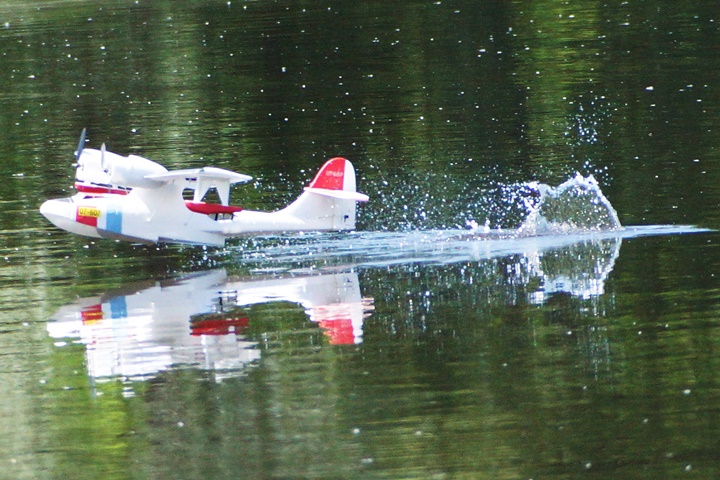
331, 176
336, 179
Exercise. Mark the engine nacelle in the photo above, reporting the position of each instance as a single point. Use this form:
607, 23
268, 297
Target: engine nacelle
130, 171
97, 167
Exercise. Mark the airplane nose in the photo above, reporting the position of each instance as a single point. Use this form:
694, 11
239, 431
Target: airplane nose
46, 209
62, 214
53, 208
59, 212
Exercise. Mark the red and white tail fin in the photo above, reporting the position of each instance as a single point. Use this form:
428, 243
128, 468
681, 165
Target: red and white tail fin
336, 179
329, 202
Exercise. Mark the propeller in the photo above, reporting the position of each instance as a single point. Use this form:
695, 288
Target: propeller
81, 144
102, 158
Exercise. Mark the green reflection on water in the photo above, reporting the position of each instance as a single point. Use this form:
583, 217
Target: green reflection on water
459, 373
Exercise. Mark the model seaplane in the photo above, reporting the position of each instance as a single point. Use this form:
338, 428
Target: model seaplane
135, 199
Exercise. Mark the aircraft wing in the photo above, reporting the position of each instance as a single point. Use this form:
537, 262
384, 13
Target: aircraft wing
193, 175
202, 179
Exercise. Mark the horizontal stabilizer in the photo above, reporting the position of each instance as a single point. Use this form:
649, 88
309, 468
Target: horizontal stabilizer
341, 194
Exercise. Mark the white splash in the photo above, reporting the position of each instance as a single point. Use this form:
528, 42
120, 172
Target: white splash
575, 206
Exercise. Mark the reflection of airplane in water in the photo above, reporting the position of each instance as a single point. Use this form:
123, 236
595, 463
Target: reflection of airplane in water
199, 320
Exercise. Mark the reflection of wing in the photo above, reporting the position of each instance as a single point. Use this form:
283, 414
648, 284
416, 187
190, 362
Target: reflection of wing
202, 179
136, 334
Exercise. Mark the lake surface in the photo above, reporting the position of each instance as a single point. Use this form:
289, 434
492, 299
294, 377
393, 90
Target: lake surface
414, 347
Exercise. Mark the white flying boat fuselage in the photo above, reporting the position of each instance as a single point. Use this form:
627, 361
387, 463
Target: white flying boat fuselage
135, 199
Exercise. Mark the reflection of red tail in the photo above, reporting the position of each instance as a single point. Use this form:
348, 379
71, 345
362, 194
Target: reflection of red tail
339, 331
219, 326
336, 320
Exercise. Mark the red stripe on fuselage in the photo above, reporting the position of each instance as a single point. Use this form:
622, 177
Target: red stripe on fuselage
99, 190
89, 221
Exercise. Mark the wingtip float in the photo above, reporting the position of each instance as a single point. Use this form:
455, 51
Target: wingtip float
135, 199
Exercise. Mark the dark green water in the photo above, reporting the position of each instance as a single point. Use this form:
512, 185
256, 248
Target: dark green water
593, 358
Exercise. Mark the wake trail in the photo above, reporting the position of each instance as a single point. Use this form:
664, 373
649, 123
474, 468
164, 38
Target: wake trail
574, 212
